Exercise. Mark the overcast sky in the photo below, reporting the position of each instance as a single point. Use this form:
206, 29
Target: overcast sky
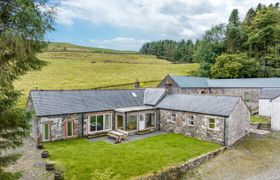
127, 24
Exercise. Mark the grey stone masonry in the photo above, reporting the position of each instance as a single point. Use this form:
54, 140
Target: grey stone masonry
58, 127
238, 124
199, 129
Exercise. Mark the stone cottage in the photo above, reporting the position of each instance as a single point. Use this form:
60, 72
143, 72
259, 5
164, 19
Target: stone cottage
249, 88
67, 114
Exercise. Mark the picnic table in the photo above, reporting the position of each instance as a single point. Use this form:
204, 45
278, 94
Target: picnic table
118, 134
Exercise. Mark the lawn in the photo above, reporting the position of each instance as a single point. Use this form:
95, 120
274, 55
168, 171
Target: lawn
81, 157
87, 68
259, 119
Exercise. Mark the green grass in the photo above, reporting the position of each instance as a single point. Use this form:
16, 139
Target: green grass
76, 70
259, 119
81, 158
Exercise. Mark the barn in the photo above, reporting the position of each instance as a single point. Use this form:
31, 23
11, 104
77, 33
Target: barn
265, 104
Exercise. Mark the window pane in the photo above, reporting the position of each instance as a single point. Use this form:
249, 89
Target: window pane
108, 121
150, 120
131, 123
46, 131
99, 122
69, 128
93, 123
212, 123
212, 126
120, 122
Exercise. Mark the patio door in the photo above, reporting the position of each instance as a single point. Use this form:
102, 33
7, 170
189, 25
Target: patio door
46, 132
141, 122
120, 122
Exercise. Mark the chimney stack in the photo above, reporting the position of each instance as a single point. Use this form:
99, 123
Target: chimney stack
136, 84
168, 87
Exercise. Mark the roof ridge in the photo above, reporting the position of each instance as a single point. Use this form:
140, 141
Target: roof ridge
57, 90
206, 95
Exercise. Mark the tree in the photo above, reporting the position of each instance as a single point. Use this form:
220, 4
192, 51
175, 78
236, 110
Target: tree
234, 66
207, 49
249, 16
23, 25
234, 17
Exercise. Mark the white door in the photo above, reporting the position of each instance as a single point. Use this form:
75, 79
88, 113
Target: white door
141, 122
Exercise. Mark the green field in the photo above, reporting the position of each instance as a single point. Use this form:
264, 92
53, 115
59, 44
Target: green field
80, 158
85, 68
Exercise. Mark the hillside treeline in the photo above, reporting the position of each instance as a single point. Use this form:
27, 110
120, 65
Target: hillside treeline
239, 49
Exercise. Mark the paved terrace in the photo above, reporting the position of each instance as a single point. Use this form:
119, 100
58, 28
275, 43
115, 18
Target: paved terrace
130, 137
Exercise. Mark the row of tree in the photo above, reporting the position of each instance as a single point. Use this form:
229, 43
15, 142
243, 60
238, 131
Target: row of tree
238, 49
181, 51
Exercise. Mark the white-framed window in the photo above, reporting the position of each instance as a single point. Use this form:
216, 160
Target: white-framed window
45, 130
70, 128
190, 120
99, 122
132, 122
150, 119
173, 117
211, 123
247, 96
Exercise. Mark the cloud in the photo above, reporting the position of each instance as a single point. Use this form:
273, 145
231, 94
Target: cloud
173, 19
121, 43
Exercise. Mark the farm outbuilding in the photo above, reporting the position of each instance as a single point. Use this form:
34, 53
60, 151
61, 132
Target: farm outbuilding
275, 114
265, 104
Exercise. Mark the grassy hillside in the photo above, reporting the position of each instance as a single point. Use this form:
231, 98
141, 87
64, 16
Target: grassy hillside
88, 69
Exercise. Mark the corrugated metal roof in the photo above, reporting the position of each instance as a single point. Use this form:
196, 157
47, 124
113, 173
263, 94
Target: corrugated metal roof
76, 101
153, 95
269, 93
212, 105
199, 82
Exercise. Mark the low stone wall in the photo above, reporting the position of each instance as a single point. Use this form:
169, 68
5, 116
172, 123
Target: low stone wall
176, 172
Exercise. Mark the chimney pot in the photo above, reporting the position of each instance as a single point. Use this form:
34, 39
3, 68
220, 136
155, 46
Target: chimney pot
168, 87
137, 84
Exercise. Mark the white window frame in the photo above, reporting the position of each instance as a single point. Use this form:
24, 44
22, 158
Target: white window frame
72, 121
96, 131
43, 131
173, 119
155, 119
116, 120
137, 121
208, 123
189, 120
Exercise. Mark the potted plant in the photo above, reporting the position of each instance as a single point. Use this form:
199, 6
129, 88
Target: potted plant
59, 172
50, 165
39, 144
45, 154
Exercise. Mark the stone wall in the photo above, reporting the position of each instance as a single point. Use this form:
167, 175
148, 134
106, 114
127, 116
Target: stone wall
177, 172
58, 127
198, 130
238, 123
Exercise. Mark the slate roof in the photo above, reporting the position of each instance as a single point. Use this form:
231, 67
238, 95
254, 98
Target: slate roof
212, 105
153, 95
269, 93
200, 82
77, 101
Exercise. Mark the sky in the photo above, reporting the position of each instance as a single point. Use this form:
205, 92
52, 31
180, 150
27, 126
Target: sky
127, 24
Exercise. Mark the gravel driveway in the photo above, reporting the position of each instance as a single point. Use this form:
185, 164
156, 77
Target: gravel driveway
253, 158
30, 163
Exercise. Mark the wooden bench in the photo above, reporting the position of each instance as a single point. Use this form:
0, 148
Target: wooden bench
100, 134
145, 131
